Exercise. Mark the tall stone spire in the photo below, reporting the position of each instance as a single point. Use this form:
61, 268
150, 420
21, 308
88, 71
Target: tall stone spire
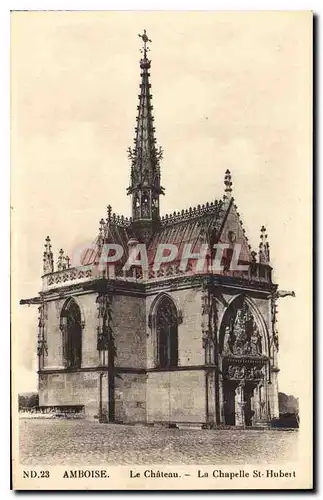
145, 157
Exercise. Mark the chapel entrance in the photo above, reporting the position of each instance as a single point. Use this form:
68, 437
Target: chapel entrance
248, 407
229, 403
239, 402
243, 361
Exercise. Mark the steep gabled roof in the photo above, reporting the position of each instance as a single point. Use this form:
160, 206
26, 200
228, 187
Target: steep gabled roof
232, 223
193, 226
215, 222
115, 230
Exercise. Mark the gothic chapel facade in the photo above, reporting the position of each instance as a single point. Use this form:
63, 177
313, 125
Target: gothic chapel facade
173, 346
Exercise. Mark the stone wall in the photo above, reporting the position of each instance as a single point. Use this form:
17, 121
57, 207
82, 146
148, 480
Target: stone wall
53, 335
176, 396
90, 356
129, 330
130, 397
74, 388
161, 395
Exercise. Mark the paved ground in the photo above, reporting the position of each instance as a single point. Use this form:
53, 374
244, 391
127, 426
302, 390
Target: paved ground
83, 442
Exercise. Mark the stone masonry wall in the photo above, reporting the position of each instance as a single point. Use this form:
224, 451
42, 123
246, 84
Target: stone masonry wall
74, 388
176, 396
130, 397
129, 330
90, 356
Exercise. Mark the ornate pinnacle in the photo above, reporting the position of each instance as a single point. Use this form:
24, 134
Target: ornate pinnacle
61, 263
48, 260
228, 184
253, 256
48, 245
109, 211
101, 232
264, 256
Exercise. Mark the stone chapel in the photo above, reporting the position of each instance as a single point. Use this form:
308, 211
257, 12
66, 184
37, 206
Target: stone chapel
172, 346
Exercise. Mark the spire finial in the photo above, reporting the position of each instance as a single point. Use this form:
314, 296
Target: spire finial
228, 184
109, 208
145, 47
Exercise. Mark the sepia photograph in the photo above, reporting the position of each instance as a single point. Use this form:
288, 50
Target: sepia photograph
161, 300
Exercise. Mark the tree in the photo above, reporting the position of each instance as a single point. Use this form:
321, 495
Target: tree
28, 400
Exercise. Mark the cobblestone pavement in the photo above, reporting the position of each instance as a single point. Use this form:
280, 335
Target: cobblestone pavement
68, 442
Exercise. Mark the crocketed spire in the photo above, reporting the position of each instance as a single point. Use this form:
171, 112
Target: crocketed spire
145, 157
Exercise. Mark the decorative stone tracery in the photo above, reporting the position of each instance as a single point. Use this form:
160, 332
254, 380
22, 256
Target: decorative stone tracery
274, 322
209, 323
42, 348
241, 372
105, 340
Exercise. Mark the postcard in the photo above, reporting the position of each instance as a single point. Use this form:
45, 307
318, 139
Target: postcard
161, 293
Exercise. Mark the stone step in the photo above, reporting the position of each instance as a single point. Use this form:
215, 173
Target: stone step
189, 426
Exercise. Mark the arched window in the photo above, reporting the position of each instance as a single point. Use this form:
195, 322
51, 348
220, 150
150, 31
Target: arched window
145, 204
167, 333
71, 326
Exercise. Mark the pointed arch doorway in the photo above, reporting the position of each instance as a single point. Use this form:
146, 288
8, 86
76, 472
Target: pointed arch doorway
243, 352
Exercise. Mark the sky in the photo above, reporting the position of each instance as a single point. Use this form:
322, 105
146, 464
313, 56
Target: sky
230, 90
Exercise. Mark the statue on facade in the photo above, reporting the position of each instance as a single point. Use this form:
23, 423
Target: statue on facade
255, 341
239, 334
136, 207
227, 342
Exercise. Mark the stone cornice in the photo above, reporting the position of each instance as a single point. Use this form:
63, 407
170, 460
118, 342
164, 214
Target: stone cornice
149, 287
121, 369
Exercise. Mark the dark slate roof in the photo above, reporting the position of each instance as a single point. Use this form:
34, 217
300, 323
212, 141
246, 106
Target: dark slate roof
195, 226
110, 232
